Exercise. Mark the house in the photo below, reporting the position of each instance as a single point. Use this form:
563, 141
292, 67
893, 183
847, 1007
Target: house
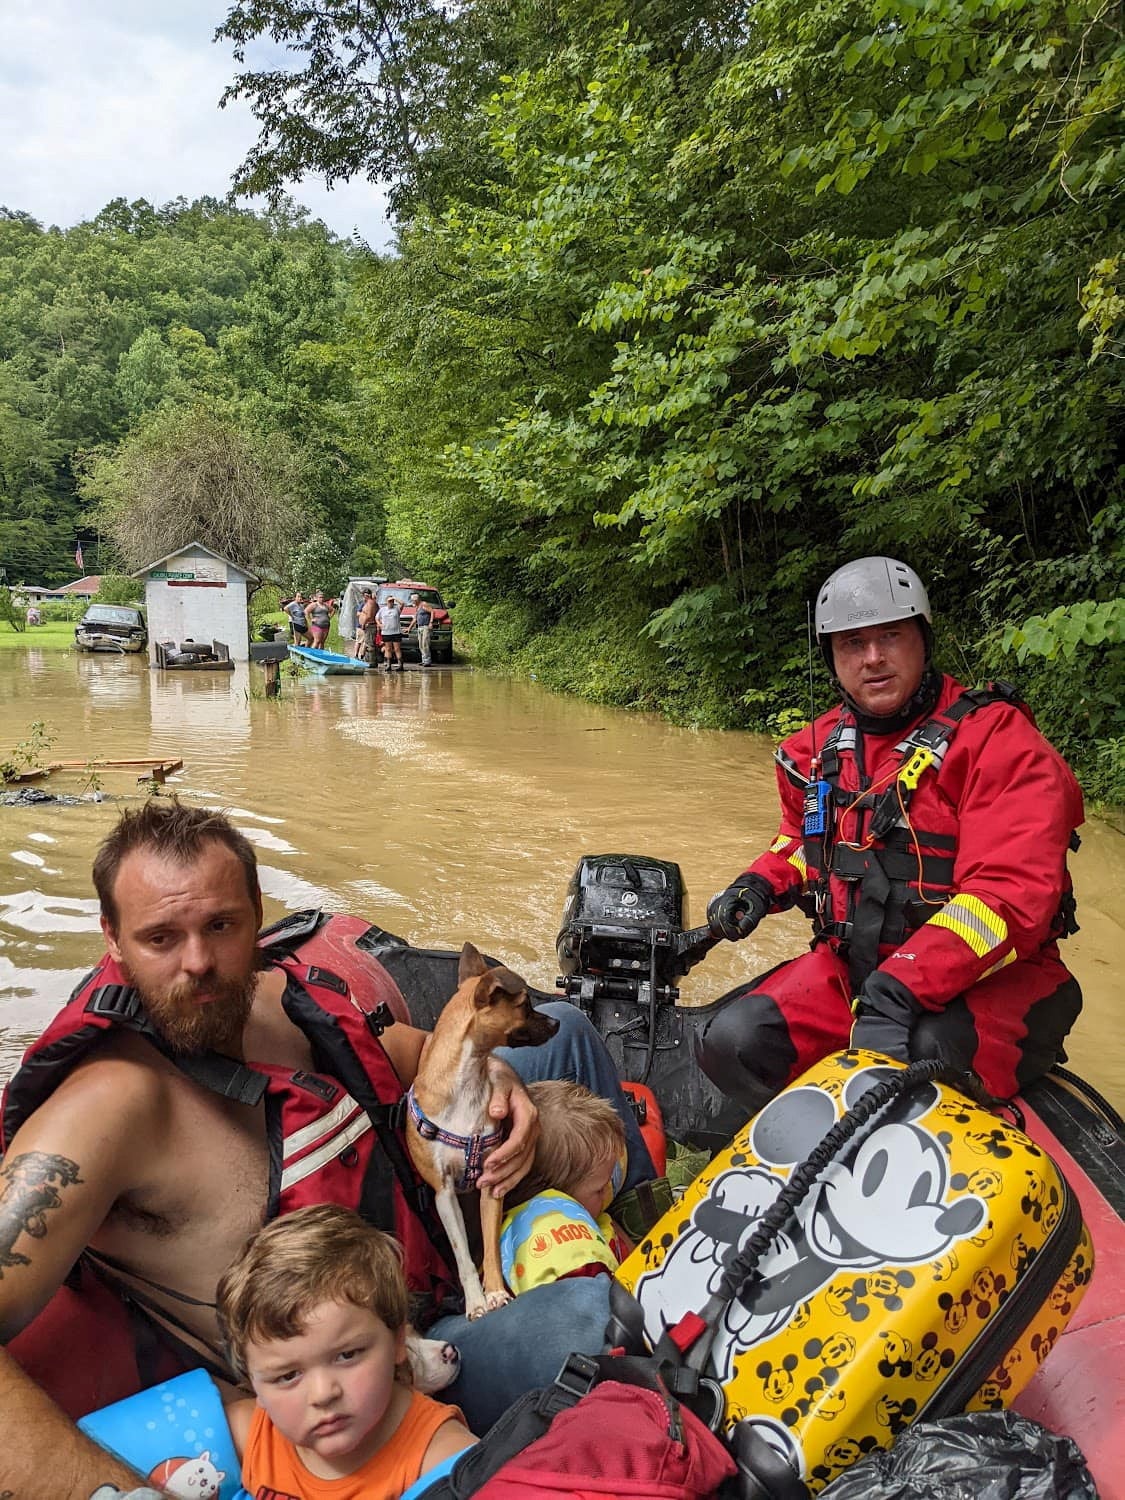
196, 594
82, 588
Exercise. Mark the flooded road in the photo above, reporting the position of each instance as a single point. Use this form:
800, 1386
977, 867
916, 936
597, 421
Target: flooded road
442, 806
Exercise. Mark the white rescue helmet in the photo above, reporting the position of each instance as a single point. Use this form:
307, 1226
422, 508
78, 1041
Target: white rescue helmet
870, 591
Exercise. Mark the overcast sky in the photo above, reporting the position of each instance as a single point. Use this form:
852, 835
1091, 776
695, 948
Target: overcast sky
104, 99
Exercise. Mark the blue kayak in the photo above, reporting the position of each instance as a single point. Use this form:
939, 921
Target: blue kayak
325, 662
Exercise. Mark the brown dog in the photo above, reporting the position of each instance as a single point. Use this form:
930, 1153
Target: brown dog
448, 1129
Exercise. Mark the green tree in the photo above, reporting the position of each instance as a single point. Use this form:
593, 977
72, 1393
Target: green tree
378, 92
693, 360
8, 611
103, 323
119, 588
146, 373
290, 368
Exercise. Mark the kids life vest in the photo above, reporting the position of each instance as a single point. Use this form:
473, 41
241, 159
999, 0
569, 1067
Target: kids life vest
867, 891
335, 1135
552, 1236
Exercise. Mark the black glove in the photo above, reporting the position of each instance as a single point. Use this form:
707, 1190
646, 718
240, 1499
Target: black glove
885, 1012
735, 912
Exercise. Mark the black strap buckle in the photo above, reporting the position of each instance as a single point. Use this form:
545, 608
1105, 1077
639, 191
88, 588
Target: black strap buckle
576, 1378
378, 1020
682, 1381
314, 974
889, 809
1066, 919
931, 736
117, 1002
223, 1076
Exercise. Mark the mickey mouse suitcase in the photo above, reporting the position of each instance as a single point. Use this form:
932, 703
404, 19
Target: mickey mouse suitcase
921, 1260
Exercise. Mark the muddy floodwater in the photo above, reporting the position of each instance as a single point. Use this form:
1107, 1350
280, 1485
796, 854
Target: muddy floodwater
443, 806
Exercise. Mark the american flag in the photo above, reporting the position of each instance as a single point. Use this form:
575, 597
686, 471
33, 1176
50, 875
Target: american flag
78, 557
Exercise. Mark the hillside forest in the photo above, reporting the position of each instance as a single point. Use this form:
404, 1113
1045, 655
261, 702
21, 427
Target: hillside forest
688, 302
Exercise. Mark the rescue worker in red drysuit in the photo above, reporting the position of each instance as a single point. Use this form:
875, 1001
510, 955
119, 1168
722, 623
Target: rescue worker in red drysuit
925, 832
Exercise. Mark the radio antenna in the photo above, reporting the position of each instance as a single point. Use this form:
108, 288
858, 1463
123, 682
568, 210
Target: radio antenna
812, 685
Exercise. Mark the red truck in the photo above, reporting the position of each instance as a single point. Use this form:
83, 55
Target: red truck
441, 638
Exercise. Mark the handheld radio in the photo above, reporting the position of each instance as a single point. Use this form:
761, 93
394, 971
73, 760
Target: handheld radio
814, 823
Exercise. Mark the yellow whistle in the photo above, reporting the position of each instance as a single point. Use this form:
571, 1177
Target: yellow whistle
920, 761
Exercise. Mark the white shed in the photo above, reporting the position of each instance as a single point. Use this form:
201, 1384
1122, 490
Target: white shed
194, 593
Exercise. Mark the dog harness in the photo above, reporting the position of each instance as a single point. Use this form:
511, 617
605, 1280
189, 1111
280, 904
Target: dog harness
475, 1147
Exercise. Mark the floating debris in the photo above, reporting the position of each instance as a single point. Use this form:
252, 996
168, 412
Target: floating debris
160, 768
33, 796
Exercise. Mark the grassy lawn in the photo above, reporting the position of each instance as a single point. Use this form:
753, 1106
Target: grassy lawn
56, 635
281, 620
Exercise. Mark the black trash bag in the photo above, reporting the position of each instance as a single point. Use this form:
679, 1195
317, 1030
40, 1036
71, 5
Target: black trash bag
994, 1455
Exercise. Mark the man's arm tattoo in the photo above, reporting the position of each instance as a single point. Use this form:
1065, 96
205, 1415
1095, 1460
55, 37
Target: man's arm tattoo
31, 1184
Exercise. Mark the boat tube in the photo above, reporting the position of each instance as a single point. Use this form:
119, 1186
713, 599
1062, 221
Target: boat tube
620, 962
621, 959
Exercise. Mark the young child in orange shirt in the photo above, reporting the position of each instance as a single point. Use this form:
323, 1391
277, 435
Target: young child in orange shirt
314, 1314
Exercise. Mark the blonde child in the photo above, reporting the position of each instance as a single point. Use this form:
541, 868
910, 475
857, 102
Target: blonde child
558, 1226
314, 1315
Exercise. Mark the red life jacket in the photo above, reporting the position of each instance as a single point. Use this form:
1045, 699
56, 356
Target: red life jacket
335, 1135
872, 877
609, 1429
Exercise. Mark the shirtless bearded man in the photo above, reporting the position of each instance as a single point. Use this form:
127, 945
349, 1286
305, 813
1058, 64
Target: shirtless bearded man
132, 1159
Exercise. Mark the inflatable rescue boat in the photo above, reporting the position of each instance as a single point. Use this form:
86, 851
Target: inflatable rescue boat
1056, 1159
623, 970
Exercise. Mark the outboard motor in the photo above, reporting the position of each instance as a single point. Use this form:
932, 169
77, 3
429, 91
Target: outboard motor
622, 947
622, 924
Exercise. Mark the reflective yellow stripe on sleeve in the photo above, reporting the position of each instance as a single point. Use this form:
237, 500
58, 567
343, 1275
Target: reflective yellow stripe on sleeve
974, 922
794, 856
1009, 958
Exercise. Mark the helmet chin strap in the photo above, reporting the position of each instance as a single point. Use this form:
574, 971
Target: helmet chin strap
921, 702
